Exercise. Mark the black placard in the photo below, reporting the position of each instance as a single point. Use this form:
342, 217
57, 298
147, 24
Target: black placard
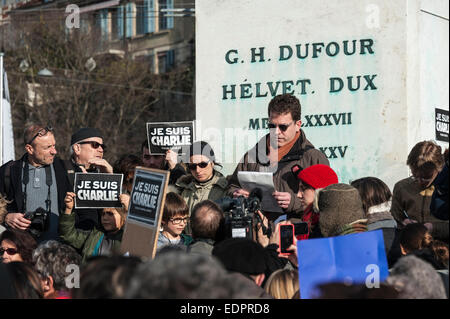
163, 136
146, 196
97, 190
442, 125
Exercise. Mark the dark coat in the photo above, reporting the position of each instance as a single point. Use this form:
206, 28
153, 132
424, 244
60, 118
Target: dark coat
302, 153
14, 191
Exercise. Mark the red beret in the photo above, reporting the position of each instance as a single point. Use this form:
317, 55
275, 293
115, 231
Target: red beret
317, 176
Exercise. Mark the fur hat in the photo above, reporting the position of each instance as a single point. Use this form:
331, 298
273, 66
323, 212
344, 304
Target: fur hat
339, 205
84, 133
241, 255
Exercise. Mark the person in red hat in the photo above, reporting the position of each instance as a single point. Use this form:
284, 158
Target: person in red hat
312, 179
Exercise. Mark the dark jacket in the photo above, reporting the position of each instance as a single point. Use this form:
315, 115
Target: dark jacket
201, 246
302, 153
85, 218
408, 196
439, 201
13, 190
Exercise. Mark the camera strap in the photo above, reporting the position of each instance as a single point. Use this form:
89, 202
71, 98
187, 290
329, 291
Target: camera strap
26, 180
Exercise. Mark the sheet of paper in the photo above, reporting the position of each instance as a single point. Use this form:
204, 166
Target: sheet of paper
263, 180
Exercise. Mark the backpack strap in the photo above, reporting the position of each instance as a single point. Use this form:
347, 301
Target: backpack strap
8, 176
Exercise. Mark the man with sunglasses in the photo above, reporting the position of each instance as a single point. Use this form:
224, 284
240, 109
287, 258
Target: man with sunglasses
37, 180
87, 150
285, 146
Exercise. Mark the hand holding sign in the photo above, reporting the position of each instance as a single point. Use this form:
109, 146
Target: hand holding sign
164, 136
97, 190
69, 200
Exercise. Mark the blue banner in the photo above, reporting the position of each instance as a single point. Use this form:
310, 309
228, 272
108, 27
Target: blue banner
354, 259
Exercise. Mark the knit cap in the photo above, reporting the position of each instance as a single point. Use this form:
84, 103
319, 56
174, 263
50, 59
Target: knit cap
84, 133
317, 176
241, 255
339, 205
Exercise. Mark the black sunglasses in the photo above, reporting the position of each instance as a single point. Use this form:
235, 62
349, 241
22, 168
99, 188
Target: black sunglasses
40, 133
283, 127
9, 251
94, 144
193, 166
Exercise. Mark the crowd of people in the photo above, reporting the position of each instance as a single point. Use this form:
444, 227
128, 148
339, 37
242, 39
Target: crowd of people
44, 239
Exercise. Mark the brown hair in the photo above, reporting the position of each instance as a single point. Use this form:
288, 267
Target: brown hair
174, 206
23, 240
206, 220
373, 191
27, 281
285, 103
31, 131
415, 237
3, 208
425, 156
282, 284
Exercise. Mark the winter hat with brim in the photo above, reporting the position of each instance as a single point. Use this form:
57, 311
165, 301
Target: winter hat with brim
339, 205
84, 133
241, 255
317, 176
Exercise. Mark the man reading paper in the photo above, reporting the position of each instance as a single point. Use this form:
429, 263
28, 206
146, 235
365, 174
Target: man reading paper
285, 146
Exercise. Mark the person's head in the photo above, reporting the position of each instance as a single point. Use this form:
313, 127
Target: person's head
284, 118
206, 220
311, 179
152, 161
52, 260
282, 284
244, 256
201, 161
17, 245
86, 144
178, 275
26, 280
126, 165
113, 218
414, 278
373, 192
175, 215
340, 206
414, 237
3, 208
425, 161
40, 145
106, 277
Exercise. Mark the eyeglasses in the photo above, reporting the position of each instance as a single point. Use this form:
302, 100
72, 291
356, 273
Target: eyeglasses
9, 251
40, 133
282, 127
94, 144
177, 221
193, 166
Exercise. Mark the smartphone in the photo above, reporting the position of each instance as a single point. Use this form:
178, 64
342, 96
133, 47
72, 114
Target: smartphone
286, 238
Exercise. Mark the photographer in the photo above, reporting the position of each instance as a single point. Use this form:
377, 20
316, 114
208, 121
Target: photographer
35, 184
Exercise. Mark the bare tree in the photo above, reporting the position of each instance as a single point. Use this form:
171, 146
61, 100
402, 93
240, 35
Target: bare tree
118, 96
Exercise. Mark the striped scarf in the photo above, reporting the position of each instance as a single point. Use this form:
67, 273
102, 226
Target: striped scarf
358, 226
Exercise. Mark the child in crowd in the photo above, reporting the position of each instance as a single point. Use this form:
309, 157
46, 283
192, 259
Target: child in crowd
104, 240
416, 239
173, 222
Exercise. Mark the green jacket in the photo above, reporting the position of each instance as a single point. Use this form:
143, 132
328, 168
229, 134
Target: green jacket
87, 241
194, 192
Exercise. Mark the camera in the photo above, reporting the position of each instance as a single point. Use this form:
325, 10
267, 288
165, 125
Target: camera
240, 213
39, 221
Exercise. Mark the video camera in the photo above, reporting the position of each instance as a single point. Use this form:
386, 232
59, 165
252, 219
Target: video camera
40, 220
240, 214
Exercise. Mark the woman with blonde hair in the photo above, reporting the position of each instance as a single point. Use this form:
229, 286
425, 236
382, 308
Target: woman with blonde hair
282, 284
